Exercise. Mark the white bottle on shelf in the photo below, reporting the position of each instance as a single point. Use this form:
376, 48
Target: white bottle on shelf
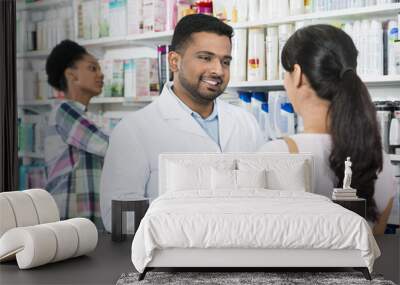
284, 32
273, 9
348, 29
364, 46
392, 36
272, 51
239, 48
287, 119
375, 49
245, 100
356, 29
256, 55
95, 19
242, 9
266, 122
264, 10
254, 8
370, 3
308, 6
283, 8
257, 99
296, 7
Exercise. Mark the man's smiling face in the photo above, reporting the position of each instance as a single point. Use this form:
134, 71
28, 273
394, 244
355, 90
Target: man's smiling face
204, 66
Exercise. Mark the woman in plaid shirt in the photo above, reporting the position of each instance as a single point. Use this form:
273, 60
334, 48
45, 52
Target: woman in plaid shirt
74, 145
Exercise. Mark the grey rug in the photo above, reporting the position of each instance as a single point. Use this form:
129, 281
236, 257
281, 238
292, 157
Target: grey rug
269, 278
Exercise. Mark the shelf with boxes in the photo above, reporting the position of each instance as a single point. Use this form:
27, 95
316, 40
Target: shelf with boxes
395, 158
33, 54
40, 5
146, 39
96, 100
31, 154
370, 81
381, 10
164, 37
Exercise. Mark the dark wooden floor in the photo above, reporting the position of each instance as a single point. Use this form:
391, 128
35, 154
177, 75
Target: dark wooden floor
102, 266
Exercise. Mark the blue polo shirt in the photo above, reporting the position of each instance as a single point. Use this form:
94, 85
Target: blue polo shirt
209, 124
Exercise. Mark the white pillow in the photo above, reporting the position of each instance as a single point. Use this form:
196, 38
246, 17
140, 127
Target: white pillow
223, 179
182, 177
251, 178
282, 174
293, 180
235, 179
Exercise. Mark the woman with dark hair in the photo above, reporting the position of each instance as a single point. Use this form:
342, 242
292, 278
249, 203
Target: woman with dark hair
339, 117
74, 145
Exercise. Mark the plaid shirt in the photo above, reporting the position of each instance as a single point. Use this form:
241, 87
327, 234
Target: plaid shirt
74, 152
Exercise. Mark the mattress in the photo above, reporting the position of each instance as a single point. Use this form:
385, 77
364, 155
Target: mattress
251, 218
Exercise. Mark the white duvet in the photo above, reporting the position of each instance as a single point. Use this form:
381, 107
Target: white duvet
252, 218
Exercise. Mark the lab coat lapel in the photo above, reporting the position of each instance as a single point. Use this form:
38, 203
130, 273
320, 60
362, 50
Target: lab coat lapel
226, 124
176, 116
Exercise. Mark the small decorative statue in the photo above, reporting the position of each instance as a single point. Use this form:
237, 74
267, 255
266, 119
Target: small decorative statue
347, 174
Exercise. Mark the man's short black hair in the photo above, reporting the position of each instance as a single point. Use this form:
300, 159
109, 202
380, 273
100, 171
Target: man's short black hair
198, 23
63, 56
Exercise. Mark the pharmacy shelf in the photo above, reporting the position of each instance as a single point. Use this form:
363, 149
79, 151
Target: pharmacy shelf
123, 100
30, 154
394, 157
380, 10
146, 39
96, 100
380, 81
158, 38
35, 103
250, 84
34, 54
377, 81
103, 42
41, 5
370, 81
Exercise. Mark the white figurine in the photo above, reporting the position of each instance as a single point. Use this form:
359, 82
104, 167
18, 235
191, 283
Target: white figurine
347, 174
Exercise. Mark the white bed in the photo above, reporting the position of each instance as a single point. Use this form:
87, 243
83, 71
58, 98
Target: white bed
201, 220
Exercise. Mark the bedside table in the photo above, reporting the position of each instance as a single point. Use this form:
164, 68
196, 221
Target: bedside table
357, 205
138, 205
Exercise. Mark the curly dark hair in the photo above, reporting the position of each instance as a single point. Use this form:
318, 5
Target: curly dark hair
63, 56
197, 23
328, 57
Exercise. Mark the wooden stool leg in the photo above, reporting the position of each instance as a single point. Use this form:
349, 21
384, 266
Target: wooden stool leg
116, 221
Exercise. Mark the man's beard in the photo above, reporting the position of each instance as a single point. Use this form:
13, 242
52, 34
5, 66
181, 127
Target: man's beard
194, 92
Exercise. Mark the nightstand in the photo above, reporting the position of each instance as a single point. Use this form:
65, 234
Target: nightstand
357, 205
138, 205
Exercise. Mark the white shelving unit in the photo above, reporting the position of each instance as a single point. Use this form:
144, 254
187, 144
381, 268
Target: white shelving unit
137, 101
96, 100
34, 54
381, 10
42, 5
395, 158
154, 38
375, 81
146, 39
31, 154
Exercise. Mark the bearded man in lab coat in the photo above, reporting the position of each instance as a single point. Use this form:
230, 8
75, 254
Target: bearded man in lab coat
187, 117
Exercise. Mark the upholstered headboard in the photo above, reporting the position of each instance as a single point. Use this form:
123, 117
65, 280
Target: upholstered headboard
286, 171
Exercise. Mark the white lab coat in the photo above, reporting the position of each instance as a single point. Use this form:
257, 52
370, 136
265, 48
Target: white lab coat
131, 162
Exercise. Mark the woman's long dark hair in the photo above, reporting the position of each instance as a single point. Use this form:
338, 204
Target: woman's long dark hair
328, 58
